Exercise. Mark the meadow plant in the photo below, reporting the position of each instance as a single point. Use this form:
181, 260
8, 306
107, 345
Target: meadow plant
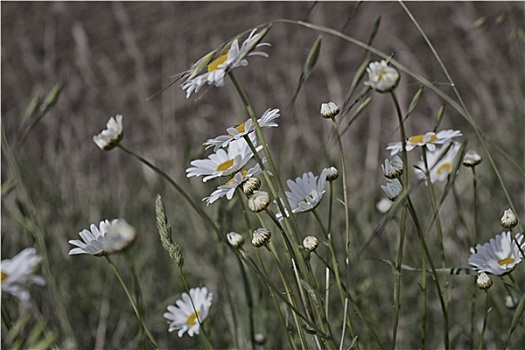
298, 287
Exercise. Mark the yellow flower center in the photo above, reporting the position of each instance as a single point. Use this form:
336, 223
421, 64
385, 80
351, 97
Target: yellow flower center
243, 173
215, 64
192, 319
446, 166
225, 165
506, 261
421, 138
4, 276
240, 128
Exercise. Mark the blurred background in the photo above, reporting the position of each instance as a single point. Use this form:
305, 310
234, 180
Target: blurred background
112, 56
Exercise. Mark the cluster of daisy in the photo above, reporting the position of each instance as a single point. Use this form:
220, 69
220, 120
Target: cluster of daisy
500, 255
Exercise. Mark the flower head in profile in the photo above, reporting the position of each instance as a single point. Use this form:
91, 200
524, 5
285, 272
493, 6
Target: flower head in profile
237, 132
112, 135
393, 168
18, 273
329, 110
381, 76
306, 192
109, 237
218, 67
439, 165
223, 162
189, 312
499, 256
228, 190
428, 140
392, 189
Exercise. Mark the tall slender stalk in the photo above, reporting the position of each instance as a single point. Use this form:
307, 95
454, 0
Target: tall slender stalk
132, 302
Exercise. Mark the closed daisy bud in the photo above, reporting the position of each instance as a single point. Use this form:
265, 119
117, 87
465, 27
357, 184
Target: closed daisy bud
258, 201
259, 338
329, 110
509, 220
261, 236
235, 239
471, 159
510, 302
310, 243
392, 189
251, 185
483, 281
332, 173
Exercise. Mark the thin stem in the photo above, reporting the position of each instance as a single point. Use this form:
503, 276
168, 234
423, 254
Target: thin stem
485, 319
475, 233
402, 225
177, 187
132, 302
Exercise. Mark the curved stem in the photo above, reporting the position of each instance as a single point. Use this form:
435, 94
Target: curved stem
132, 302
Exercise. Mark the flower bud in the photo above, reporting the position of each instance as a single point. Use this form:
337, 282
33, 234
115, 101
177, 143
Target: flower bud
310, 243
483, 281
258, 201
235, 239
261, 236
509, 220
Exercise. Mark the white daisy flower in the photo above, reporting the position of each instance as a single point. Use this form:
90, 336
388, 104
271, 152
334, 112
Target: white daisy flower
237, 180
190, 311
499, 256
440, 166
306, 192
233, 58
392, 168
392, 189
110, 237
108, 138
237, 132
223, 162
428, 140
382, 77
18, 273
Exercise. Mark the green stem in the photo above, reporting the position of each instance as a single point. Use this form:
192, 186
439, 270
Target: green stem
485, 319
132, 301
475, 233
177, 187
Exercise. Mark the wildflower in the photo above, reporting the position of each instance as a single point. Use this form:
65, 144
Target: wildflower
261, 236
240, 178
310, 243
472, 158
499, 256
306, 192
428, 140
332, 173
483, 281
393, 168
392, 189
109, 237
258, 201
511, 302
18, 273
383, 205
251, 185
217, 69
382, 77
110, 137
235, 239
329, 110
190, 311
237, 132
223, 162
509, 220
439, 165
